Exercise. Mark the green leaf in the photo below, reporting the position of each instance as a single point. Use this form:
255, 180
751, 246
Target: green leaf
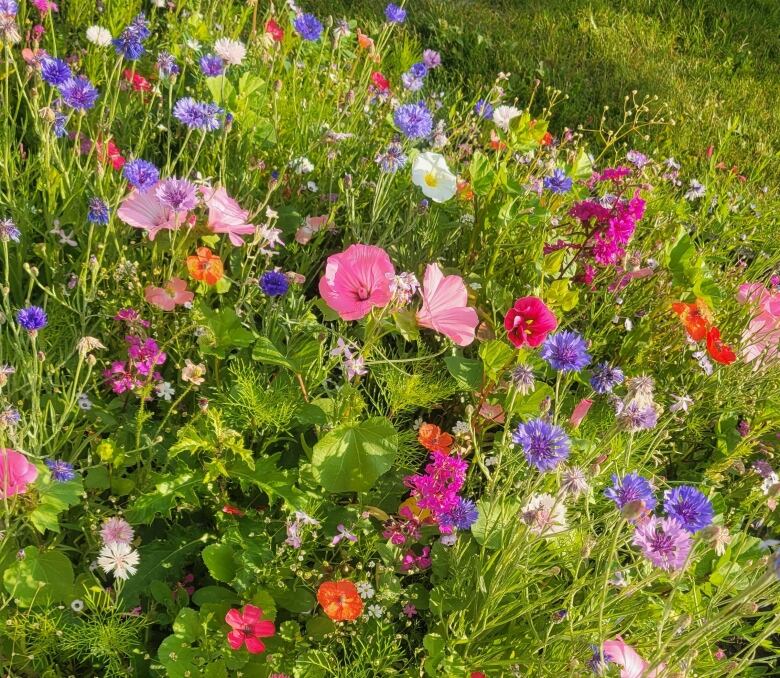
582, 168
219, 560
265, 352
295, 599
54, 498
496, 355
467, 372
178, 658
272, 480
214, 594
222, 91
530, 405
225, 332
168, 493
352, 456
406, 322
481, 173
496, 519
40, 578
320, 626
187, 626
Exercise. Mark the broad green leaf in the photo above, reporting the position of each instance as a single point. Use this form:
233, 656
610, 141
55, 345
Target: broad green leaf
496, 355
225, 332
179, 659
187, 626
220, 562
272, 480
54, 497
295, 599
168, 494
481, 173
467, 372
40, 578
496, 520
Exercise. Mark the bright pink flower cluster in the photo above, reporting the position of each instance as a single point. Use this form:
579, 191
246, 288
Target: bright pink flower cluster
437, 490
143, 354
418, 562
406, 528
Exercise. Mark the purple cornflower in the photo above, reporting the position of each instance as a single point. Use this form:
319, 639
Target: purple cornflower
690, 507
599, 662
431, 59
166, 65
79, 93
637, 416
462, 516
8, 231
197, 115
630, 488
59, 124
414, 120
177, 194
605, 378
412, 83
418, 70
142, 174
212, 65
484, 109
8, 7
638, 159
565, 351
393, 158
55, 71
308, 27
98, 212
61, 471
545, 445
523, 379
32, 318
9, 417
274, 283
664, 542
395, 14
130, 43
557, 182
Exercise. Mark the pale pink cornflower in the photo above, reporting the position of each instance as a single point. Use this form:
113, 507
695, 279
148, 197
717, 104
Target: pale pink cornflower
116, 530
232, 52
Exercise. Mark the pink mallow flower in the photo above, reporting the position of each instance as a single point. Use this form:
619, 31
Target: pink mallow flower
226, 215
445, 306
248, 628
761, 338
15, 473
631, 663
174, 293
357, 280
151, 213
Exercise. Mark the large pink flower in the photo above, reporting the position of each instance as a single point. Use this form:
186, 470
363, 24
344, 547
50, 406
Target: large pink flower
174, 293
445, 306
625, 656
249, 628
226, 215
357, 280
147, 212
761, 338
15, 473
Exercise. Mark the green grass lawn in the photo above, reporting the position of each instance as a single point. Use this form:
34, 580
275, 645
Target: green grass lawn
716, 63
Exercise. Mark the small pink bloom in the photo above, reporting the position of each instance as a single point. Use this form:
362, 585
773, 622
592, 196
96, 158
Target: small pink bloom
173, 294
116, 530
310, 226
357, 280
15, 473
226, 215
580, 411
445, 306
248, 628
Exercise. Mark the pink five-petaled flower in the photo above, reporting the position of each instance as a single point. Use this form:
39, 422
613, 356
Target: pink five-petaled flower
249, 628
529, 321
174, 293
631, 663
357, 280
147, 212
445, 306
226, 215
15, 473
761, 338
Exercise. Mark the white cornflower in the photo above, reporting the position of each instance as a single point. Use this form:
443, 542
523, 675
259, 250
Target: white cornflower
544, 514
99, 36
365, 590
88, 344
119, 559
231, 51
769, 482
165, 390
301, 165
503, 115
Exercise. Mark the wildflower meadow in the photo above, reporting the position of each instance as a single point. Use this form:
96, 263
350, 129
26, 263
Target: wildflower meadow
316, 360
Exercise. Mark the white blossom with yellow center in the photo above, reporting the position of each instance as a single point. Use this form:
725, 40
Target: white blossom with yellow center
431, 174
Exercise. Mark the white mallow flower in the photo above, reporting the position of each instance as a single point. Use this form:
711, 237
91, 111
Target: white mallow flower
121, 559
431, 174
544, 514
99, 36
231, 51
503, 115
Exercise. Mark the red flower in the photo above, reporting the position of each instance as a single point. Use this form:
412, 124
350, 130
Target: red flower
696, 318
380, 81
529, 322
432, 438
546, 139
719, 351
340, 600
248, 628
274, 30
110, 152
137, 81
232, 510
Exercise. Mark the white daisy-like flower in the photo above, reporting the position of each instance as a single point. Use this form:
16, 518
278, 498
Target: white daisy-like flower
431, 173
375, 611
461, 428
503, 115
99, 36
120, 559
301, 165
365, 590
77, 605
232, 52
165, 390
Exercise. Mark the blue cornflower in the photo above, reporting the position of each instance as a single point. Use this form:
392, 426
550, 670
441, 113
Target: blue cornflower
414, 120
59, 124
392, 159
484, 109
690, 507
212, 65
557, 182
8, 7
599, 662
274, 283
8, 231
565, 351
197, 114
166, 65
462, 516
545, 445
130, 43
142, 174
79, 93
32, 318
419, 70
605, 378
308, 27
55, 71
61, 471
98, 212
395, 14
630, 488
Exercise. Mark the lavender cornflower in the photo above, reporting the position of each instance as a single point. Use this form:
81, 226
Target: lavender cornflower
484, 109
631, 488
690, 507
32, 318
274, 283
462, 516
545, 445
403, 287
55, 71
599, 662
212, 65
8, 7
308, 27
635, 416
431, 59
393, 158
574, 482
142, 174
664, 542
166, 65
557, 182
605, 378
8, 231
59, 125
98, 212
418, 70
696, 191
79, 93
177, 194
522, 378
565, 351
61, 471
414, 120
197, 115
395, 14
9, 417
411, 82
130, 43
637, 159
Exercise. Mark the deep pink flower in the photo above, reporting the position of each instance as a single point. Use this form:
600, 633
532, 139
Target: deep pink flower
15, 473
445, 306
529, 322
173, 294
226, 215
248, 628
357, 280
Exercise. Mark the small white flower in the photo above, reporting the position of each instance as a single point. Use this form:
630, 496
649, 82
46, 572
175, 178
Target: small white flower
99, 36
503, 115
77, 605
313, 188
84, 402
769, 482
544, 514
431, 174
682, 403
365, 590
461, 428
193, 44
165, 390
301, 165
375, 611
121, 559
231, 51
448, 539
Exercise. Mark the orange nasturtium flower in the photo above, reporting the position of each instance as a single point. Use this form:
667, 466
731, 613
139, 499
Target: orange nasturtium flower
205, 266
695, 317
719, 351
432, 438
340, 600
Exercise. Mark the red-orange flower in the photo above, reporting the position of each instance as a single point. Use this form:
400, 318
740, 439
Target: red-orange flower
695, 317
274, 30
380, 81
719, 351
340, 600
205, 266
432, 438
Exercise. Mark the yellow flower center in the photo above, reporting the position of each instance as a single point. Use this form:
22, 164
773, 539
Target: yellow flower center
431, 180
